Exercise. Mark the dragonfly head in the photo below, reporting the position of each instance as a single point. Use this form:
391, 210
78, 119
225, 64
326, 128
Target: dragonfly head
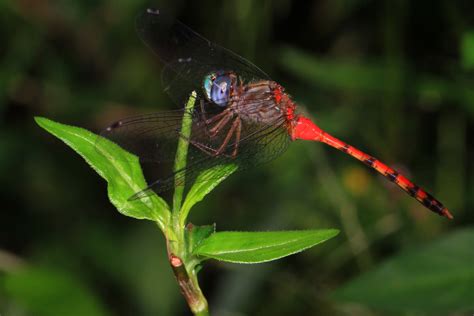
218, 87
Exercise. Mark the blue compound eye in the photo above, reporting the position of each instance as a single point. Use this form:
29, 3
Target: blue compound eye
218, 88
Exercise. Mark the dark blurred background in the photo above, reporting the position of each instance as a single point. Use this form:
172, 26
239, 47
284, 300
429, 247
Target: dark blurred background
394, 78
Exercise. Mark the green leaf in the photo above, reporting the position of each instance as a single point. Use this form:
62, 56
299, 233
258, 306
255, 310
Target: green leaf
118, 167
47, 292
437, 278
196, 234
257, 247
204, 184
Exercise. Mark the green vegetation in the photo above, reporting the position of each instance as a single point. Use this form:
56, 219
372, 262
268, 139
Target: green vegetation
187, 245
392, 78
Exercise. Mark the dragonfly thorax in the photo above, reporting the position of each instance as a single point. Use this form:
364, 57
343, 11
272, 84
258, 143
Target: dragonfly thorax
260, 102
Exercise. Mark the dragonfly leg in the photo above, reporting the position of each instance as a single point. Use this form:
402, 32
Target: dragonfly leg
204, 117
217, 128
207, 122
216, 117
238, 130
208, 150
227, 138
204, 148
203, 111
204, 120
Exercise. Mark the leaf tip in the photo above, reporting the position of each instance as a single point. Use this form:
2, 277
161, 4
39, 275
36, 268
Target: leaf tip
334, 232
44, 123
40, 120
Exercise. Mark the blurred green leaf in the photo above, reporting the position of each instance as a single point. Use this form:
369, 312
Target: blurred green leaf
257, 247
119, 168
205, 183
373, 78
51, 293
467, 50
436, 278
336, 74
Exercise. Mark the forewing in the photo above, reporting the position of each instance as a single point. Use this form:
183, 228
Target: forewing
188, 59
188, 56
151, 137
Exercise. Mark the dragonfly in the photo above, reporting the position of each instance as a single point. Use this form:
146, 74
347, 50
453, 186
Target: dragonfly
241, 116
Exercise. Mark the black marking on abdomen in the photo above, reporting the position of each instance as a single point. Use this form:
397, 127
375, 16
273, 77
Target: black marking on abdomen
428, 202
392, 176
413, 191
438, 208
370, 161
345, 148
433, 204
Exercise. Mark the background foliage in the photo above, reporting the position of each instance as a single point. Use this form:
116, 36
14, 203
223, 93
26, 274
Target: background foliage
394, 78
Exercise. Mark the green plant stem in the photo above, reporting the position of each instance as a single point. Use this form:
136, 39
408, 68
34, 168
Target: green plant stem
177, 249
178, 246
182, 152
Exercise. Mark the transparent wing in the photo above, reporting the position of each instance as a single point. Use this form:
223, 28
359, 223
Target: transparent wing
154, 137
188, 56
260, 146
